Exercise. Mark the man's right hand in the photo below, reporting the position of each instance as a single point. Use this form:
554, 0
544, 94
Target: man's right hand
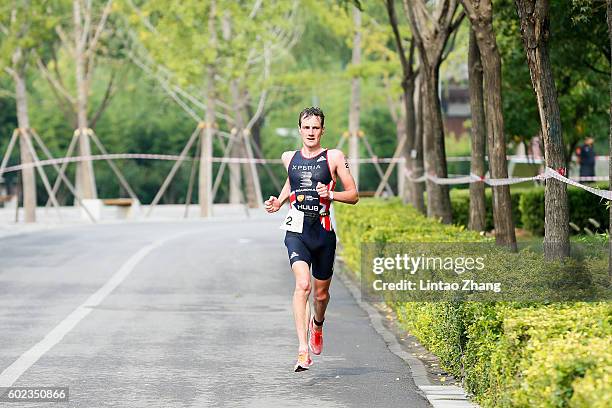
272, 204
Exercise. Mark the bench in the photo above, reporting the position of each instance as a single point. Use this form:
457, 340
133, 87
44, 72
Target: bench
118, 202
123, 205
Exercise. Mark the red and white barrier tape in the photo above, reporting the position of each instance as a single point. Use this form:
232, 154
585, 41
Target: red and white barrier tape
130, 156
548, 174
141, 156
515, 158
88, 158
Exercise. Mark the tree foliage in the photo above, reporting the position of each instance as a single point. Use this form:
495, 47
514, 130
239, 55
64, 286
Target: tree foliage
580, 59
310, 66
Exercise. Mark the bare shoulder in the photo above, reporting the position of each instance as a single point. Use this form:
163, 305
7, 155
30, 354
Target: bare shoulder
286, 157
335, 155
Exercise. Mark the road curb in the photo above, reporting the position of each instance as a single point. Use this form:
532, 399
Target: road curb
439, 396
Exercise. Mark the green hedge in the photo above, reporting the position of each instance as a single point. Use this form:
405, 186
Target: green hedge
460, 203
582, 206
528, 209
508, 354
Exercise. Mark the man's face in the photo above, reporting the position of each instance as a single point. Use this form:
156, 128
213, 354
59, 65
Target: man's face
311, 131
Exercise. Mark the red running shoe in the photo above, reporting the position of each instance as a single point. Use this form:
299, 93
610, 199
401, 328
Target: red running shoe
303, 362
315, 341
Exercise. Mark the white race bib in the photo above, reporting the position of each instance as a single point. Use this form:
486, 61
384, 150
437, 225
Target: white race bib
294, 221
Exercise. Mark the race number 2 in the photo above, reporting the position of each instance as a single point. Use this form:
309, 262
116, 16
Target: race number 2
294, 221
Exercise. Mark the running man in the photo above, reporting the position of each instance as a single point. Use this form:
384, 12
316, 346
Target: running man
310, 238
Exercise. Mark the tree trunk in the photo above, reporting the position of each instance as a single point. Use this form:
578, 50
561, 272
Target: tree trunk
256, 128
252, 188
477, 221
534, 20
403, 187
206, 151
28, 177
438, 198
235, 182
85, 180
498, 165
205, 179
414, 192
416, 153
355, 104
247, 170
431, 28
480, 14
409, 129
609, 18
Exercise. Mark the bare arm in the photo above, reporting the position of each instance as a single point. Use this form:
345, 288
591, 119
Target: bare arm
274, 204
340, 166
284, 193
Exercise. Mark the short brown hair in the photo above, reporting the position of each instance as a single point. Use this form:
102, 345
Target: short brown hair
312, 111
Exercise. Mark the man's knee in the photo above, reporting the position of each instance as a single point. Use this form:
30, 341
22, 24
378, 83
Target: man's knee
302, 286
321, 294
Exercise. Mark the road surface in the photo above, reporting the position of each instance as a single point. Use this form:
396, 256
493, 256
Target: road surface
180, 314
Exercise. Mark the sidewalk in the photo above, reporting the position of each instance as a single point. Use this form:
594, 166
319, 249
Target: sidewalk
439, 396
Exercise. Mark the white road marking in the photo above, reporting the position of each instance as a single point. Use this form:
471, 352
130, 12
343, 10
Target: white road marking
31, 356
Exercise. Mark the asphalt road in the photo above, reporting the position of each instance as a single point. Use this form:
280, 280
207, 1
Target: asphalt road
183, 314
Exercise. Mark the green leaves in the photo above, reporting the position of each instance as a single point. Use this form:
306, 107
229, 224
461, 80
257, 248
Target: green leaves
26, 26
578, 36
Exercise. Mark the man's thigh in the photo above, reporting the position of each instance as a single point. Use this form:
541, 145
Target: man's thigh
323, 259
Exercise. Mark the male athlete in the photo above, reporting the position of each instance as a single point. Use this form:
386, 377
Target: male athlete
312, 174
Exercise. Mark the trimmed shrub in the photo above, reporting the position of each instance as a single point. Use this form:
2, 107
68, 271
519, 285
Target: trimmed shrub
582, 207
531, 206
528, 209
545, 352
507, 353
460, 205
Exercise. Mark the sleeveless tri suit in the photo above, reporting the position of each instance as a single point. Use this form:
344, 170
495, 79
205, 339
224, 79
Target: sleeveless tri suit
316, 245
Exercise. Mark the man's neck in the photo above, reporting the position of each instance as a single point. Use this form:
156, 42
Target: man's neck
311, 151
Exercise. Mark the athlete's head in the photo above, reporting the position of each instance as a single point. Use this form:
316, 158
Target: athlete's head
312, 111
311, 121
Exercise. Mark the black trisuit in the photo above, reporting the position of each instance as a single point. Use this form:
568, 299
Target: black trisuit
316, 245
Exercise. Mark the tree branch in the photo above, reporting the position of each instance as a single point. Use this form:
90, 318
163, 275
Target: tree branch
58, 76
94, 41
10, 71
66, 107
64, 39
264, 94
108, 94
144, 18
90, 52
55, 84
87, 10
396, 34
596, 70
256, 7
453, 31
458, 20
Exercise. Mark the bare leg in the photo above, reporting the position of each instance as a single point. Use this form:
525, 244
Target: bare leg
321, 299
300, 301
307, 316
